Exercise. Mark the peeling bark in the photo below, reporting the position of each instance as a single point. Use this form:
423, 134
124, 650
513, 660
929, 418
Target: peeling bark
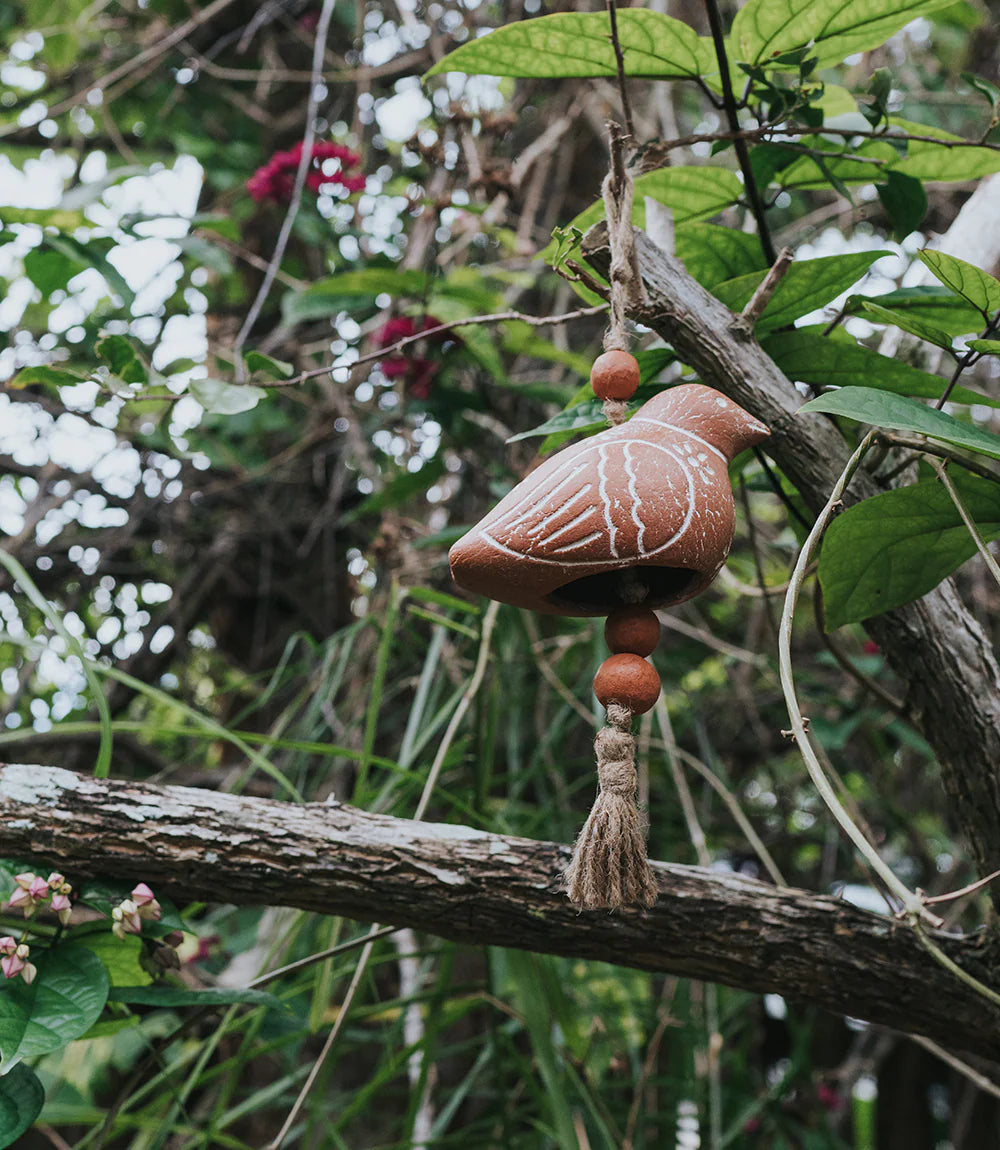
478, 888
935, 645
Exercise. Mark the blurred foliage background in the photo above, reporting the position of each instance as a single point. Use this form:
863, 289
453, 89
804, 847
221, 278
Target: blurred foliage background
274, 562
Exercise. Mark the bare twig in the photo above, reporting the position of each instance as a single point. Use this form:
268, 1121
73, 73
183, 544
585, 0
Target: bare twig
429, 333
747, 319
654, 153
305, 162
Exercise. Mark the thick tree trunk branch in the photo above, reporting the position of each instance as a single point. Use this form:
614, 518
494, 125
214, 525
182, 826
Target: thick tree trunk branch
935, 645
478, 888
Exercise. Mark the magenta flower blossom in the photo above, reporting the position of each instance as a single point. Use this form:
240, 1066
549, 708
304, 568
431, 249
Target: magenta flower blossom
276, 179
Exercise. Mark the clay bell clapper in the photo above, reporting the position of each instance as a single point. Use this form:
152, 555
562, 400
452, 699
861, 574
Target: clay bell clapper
639, 514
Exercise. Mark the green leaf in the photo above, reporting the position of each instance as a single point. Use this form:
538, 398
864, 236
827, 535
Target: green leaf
401, 489
120, 957
978, 287
853, 165
930, 302
807, 285
93, 254
713, 254
258, 361
905, 203
763, 29
170, 996
579, 44
21, 1101
42, 373
50, 270
807, 357
221, 398
985, 346
337, 293
989, 92
895, 547
918, 327
45, 218
119, 354
939, 162
62, 1003
881, 409
580, 417
695, 193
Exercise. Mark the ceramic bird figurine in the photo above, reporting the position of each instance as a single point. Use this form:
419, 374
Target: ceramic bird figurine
640, 514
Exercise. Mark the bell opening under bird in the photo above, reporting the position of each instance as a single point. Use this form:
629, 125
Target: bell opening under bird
608, 591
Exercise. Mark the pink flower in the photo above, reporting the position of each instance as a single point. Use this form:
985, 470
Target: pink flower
125, 919
11, 966
146, 903
416, 371
63, 907
828, 1097
15, 961
276, 179
31, 892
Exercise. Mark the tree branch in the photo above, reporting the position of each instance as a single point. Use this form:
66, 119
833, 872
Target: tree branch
477, 888
934, 645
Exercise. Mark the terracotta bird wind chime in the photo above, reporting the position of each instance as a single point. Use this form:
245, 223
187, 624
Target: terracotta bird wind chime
636, 518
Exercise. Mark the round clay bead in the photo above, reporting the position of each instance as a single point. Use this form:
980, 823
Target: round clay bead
628, 680
615, 375
632, 629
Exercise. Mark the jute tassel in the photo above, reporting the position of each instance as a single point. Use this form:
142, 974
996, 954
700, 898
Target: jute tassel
609, 867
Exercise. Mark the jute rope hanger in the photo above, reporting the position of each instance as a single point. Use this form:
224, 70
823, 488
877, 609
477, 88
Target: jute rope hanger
609, 867
638, 517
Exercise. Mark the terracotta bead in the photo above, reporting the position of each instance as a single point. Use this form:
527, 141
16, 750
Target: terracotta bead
615, 375
628, 680
632, 629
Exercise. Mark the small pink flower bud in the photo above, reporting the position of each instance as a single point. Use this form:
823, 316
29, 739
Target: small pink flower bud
7, 945
63, 907
29, 972
11, 966
55, 880
25, 879
23, 950
21, 898
125, 917
39, 889
141, 895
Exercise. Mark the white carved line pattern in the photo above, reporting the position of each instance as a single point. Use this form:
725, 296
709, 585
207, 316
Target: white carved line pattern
605, 452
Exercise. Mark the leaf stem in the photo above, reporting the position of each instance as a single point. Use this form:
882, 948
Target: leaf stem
739, 142
620, 64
